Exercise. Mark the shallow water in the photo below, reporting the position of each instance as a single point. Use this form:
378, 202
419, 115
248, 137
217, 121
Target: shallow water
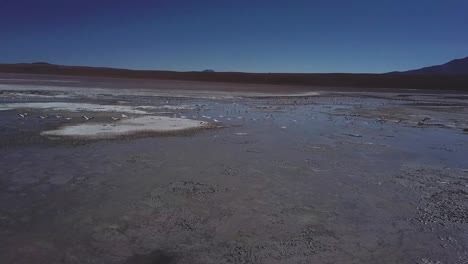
285, 180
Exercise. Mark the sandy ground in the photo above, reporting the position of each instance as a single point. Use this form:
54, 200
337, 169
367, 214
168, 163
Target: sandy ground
330, 177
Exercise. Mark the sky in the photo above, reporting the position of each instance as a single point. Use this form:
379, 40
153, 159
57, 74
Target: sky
225, 35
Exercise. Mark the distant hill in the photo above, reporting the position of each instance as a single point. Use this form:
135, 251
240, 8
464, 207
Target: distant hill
403, 80
41, 63
454, 67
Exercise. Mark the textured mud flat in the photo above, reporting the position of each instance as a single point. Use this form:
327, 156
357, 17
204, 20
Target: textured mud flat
330, 178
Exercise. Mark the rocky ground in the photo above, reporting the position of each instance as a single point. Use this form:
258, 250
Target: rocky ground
329, 177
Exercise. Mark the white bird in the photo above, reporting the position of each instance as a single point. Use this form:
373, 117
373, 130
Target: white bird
58, 116
87, 117
123, 116
23, 115
115, 118
217, 121
68, 118
42, 117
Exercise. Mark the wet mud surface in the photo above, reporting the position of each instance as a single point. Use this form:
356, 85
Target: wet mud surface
332, 178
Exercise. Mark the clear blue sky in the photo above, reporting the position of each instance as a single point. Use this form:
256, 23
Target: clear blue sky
254, 36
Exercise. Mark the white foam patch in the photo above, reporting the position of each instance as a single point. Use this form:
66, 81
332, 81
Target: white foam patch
146, 124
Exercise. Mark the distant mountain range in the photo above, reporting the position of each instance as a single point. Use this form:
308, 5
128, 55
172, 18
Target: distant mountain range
454, 67
450, 76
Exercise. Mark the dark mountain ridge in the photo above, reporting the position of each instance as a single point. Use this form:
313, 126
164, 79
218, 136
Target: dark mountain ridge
449, 76
454, 67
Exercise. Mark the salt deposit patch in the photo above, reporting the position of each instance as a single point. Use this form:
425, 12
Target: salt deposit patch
77, 107
98, 92
146, 124
87, 107
169, 107
32, 95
